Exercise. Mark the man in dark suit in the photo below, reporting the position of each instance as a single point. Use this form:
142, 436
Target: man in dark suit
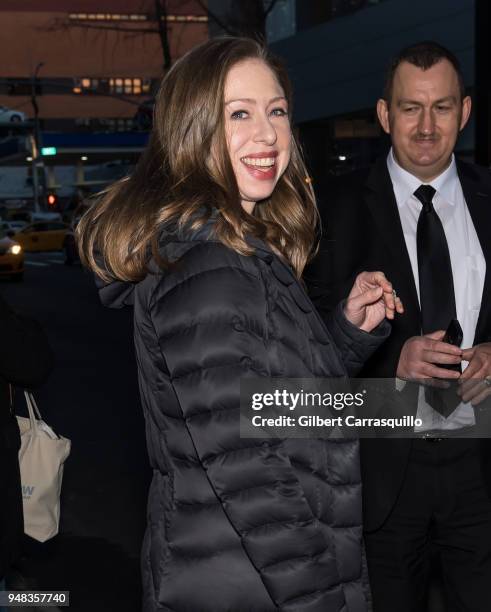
424, 219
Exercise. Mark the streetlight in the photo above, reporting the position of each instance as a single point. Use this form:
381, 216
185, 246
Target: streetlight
35, 147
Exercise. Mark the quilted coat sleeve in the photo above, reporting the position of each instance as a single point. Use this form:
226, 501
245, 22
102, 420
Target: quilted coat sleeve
212, 331
354, 344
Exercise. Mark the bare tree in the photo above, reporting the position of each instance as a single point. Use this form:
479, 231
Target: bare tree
243, 18
155, 24
161, 18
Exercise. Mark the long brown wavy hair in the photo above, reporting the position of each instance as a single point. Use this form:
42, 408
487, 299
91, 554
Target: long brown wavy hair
178, 179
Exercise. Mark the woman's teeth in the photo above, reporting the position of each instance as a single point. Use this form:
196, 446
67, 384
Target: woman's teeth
261, 162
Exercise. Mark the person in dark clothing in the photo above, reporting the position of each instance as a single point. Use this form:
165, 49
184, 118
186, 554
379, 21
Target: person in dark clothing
220, 199
431, 493
25, 361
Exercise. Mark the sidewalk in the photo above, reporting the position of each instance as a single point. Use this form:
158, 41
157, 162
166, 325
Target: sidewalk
99, 575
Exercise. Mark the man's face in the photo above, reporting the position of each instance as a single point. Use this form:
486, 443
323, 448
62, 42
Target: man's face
425, 116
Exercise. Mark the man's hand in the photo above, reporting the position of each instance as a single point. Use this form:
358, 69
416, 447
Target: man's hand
421, 357
474, 387
371, 300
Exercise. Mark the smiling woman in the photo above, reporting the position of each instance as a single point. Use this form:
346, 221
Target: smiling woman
258, 130
239, 106
213, 231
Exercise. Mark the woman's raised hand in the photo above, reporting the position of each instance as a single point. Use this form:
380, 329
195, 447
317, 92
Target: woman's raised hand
370, 300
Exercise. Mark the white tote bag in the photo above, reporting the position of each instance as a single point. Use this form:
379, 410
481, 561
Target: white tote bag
41, 457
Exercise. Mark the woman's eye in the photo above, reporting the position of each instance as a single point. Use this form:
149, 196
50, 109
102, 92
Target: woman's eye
279, 112
240, 114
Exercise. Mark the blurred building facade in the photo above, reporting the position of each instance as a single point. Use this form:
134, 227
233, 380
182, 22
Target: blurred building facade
83, 74
96, 60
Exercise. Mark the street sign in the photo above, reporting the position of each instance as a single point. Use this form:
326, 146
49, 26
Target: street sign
46, 151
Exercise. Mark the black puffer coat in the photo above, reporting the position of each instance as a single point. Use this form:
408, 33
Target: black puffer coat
238, 525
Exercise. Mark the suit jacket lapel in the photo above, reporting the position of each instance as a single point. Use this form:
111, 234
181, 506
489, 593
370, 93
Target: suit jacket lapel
478, 199
380, 199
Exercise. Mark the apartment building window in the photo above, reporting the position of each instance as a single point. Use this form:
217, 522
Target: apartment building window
135, 17
85, 85
118, 125
129, 86
107, 17
19, 87
134, 87
105, 124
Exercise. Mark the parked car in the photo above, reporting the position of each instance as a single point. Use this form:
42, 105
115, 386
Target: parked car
19, 215
16, 226
45, 216
11, 258
9, 115
42, 236
12, 226
5, 227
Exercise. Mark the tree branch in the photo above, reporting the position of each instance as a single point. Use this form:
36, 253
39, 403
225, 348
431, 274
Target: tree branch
216, 19
270, 8
161, 14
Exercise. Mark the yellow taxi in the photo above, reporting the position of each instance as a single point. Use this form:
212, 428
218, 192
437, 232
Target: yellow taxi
11, 258
42, 236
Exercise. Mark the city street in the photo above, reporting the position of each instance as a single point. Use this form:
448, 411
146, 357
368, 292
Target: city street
91, 398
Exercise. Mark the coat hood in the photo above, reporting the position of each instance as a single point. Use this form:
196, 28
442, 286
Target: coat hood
116, 293
119, 293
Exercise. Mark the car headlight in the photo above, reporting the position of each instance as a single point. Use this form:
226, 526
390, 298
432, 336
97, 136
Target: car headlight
15, 249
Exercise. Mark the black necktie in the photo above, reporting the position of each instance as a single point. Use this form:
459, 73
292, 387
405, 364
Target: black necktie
436, 290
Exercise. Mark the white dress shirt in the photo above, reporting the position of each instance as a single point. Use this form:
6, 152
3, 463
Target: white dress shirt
466, 257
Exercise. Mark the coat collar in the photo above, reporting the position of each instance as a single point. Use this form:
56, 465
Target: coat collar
280, 268
282, 272
405, 183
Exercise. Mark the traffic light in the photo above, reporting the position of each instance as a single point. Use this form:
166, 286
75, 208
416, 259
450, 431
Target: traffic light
52, 200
